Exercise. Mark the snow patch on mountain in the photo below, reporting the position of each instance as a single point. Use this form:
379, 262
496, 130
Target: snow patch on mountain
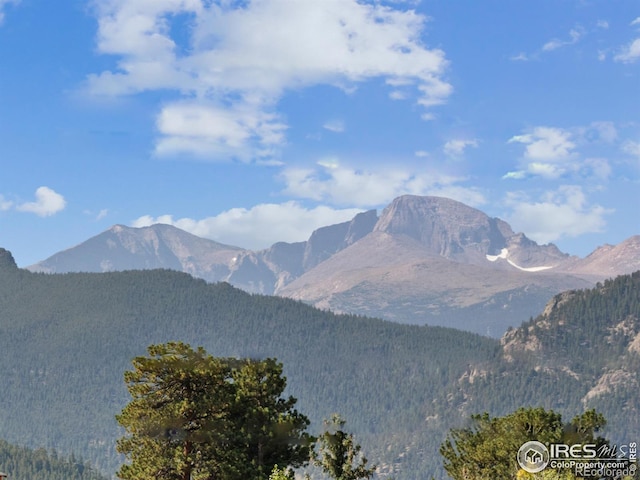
504, 254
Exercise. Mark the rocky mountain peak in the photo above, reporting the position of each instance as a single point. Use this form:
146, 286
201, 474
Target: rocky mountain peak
445, 227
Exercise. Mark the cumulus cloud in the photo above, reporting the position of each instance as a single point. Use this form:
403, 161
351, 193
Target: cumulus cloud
212, 131
629, 53
240, 59
558, 214
546, 143
552, 153
549, 153
48, 202
331, 182
456, 148
260, 226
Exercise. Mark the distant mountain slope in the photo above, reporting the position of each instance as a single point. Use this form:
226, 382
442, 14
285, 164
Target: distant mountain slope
425, 260
159, 246
65, 341
611, 260
437, 261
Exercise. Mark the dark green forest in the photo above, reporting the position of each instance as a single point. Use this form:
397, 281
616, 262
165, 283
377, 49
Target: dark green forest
21, 463
66, 339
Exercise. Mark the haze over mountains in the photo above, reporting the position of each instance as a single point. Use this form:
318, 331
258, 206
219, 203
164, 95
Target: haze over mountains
423, 260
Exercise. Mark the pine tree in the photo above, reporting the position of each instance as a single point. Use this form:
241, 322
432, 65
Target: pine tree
196, 417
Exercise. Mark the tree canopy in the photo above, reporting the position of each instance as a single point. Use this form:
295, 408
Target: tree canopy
488, 448
196, 417
339, 455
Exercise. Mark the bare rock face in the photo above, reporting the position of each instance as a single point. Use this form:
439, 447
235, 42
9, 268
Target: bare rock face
444, 227
268, 271
328, 241
455, 231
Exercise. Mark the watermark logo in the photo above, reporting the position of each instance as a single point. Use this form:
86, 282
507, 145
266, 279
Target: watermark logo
585, 460
533, 457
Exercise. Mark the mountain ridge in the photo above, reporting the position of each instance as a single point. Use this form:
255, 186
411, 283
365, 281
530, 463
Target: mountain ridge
343, 266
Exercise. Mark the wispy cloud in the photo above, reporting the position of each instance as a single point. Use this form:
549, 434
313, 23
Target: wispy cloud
338, 184
5, 204
632, 148
335, 126
4, 3
233, 73
573, 37
575, 34
48, 202
457, 147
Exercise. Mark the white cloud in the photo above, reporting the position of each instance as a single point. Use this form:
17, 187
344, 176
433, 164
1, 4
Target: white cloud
629, 53
456, 148
560, 214
341, 185
520, 57
575, 34
47, 203
602, 24
635, 22
102, 214
549, 153
552, 153
336, 126
240, 60
398, 95
546, 143
260, 226
216, 132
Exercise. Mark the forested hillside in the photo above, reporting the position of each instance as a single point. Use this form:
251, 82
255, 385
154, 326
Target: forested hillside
66, 339
582, 352
21, 463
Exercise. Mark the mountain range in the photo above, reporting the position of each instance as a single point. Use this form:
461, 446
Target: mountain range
423, 260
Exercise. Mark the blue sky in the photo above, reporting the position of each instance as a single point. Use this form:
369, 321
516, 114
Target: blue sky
255, 121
